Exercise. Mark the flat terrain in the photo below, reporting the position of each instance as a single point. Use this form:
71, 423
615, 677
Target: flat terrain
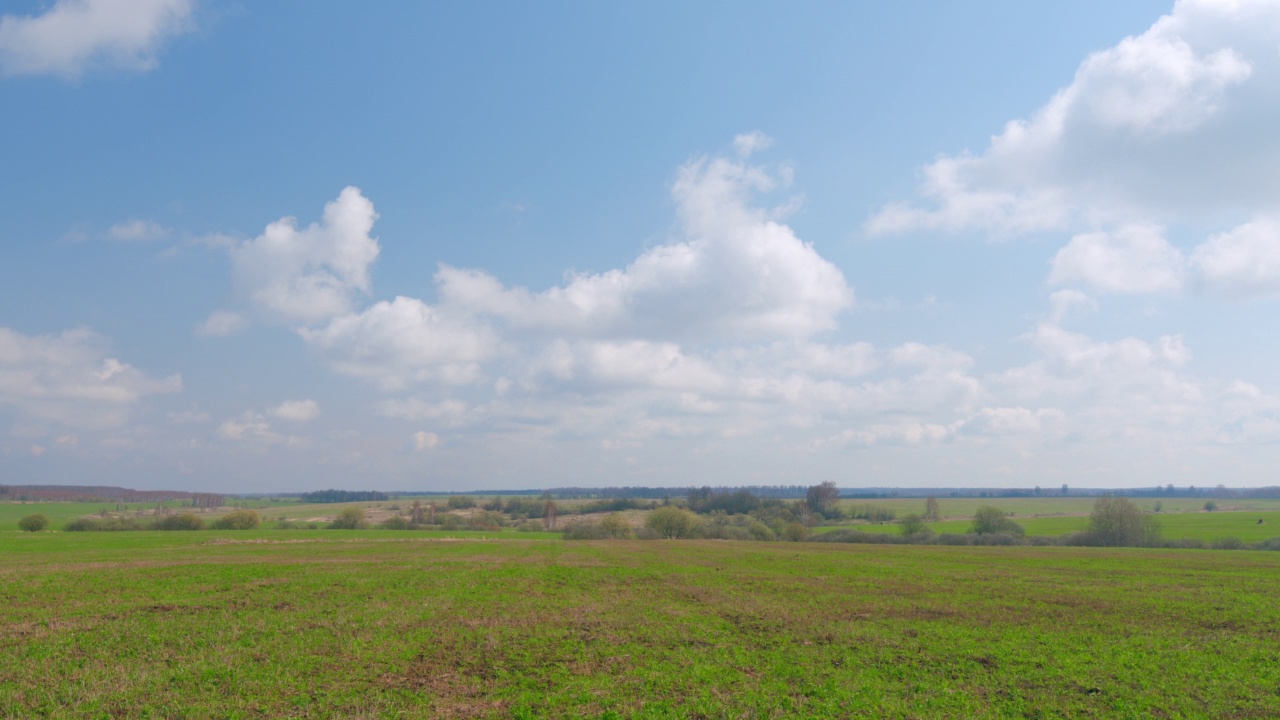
401, 624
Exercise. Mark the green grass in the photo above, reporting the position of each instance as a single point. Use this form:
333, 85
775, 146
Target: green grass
379, 624
1199, 526
964, 508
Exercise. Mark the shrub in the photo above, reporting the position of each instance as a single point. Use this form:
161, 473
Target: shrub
486, 521
237, 520
671, 522
530, 526
795, 532
913, 525
992, 521
460, 502
1117, 522
109, 524
759, 531
182, 521
1272, 544
1210, 506
33, 523
351, 518
615, 526
395, 523
1228, 543
449, 521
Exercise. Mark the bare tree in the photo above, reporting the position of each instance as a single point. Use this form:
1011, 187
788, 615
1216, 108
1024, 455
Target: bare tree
822, 498
549, 513
931, 511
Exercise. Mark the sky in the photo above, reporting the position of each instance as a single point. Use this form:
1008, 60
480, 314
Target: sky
285, 246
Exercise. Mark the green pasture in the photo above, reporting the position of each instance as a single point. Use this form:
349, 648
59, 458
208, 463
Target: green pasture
1206, 526
379, 624
964, 508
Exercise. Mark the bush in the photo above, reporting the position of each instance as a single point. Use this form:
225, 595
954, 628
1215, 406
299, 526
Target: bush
395, 523
33, 523
795, 532
1210, 506
671, 522
1228, 543
992, 521
759, 531
110, 524
1272, 544
183, 521
238, 520
914, 525
460, 502
1117, 522
616, 527
351, 518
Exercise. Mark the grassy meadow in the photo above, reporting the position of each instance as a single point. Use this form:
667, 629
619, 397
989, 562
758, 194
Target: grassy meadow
387, 624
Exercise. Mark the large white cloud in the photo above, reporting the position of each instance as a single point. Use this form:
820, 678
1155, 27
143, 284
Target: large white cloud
1133, 259
404, 341
737, 274
1171, 123
1244, 261
75, 35
312, 274
71, 379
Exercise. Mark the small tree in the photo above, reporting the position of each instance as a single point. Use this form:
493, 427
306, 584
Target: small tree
33, 523
932, 512
615, 526
822, 499
671, 522
990, 521
1210, 506
351, 518
913, 525
1117, 522
237, 520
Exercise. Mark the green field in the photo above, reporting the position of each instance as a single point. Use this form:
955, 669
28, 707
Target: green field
964, 508
398, 624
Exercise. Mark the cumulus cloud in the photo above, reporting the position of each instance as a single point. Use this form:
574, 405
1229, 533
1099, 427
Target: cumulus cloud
1244, 261
404, 341
310, 275
738, 273
71, 379
76, 35
1166, 124
1134, 259
297, 410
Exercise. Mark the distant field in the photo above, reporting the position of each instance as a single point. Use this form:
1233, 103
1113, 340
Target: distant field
383, 624
964, 508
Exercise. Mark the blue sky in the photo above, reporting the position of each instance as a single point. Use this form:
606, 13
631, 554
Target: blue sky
418, 246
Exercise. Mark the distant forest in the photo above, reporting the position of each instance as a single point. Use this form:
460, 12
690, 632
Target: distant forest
342, 496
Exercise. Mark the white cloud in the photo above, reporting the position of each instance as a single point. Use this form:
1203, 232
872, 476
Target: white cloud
1135, 259
76, 35
297, 410
137, 231
423, 440
222, 323
747, 144
1167, 124
310, 275
71, 379
404, 341
737, 274
1243, 262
